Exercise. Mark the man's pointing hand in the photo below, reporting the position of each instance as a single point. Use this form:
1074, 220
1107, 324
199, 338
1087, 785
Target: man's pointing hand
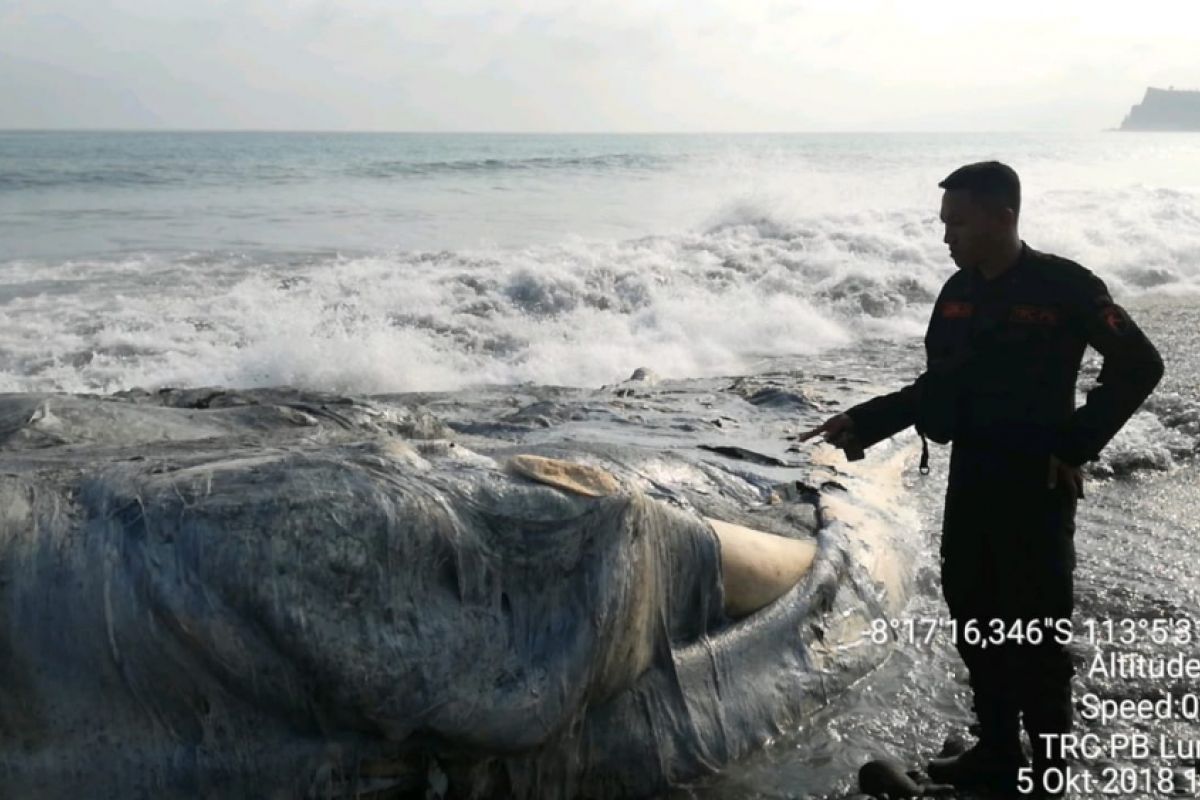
838, 430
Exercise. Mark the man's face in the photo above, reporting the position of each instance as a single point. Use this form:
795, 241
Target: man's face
972, 229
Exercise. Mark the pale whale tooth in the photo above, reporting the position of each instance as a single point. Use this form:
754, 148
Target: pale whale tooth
569, 476
758, 567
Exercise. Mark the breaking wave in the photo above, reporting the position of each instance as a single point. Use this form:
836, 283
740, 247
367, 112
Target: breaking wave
749, 284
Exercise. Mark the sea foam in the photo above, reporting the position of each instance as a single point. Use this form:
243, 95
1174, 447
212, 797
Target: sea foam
752, 282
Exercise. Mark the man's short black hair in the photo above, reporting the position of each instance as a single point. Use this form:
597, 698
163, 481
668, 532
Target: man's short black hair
988, 181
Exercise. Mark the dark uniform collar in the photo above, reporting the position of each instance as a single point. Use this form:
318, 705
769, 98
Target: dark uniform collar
977, 281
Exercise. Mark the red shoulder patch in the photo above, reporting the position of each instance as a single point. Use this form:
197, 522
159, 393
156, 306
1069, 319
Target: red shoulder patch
956, 309
1115, 318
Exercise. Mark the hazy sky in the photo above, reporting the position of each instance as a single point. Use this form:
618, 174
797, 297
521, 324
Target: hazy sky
587, 65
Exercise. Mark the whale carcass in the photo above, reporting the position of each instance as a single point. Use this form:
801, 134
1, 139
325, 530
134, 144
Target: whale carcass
282, 594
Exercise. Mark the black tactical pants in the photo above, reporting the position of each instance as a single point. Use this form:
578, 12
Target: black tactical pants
1008, 554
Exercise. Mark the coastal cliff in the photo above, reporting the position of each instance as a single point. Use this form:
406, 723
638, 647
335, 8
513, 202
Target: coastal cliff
1165, 110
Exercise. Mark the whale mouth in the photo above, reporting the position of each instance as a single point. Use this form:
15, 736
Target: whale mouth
806, 567
757, 567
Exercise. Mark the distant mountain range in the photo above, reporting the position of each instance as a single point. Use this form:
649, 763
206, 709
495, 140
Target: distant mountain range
1165, 110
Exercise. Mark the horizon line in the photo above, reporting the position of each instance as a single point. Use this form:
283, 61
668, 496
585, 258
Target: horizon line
444, 132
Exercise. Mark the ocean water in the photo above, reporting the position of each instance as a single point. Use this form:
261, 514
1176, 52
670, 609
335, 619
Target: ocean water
384, 263
437, 264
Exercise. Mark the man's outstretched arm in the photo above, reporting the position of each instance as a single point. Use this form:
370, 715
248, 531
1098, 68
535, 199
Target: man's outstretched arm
1132, 368
886, 415
870, 422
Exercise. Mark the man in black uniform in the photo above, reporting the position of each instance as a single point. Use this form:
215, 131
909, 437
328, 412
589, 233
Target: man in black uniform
1003, 351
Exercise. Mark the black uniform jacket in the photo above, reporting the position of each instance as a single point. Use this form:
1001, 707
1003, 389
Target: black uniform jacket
1002, 360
